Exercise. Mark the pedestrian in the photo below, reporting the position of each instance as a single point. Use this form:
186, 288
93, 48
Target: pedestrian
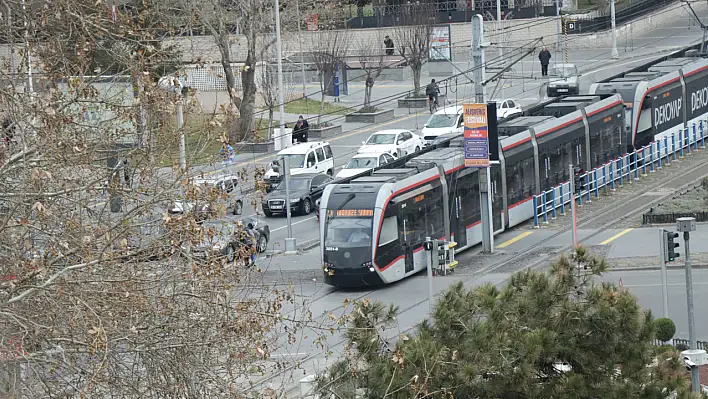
301, 130
545, 57
389, 45
227, 153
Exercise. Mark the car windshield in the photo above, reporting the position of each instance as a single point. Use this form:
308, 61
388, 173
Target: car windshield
348, 232
296, 160
442, 120
295, 184
381, 139
565, 72
361, 163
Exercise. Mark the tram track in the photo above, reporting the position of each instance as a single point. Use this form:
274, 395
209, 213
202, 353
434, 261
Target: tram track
626, 209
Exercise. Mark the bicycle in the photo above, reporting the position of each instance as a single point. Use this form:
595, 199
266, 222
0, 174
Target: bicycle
432, 105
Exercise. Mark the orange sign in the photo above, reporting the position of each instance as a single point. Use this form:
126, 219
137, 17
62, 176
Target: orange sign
476, 135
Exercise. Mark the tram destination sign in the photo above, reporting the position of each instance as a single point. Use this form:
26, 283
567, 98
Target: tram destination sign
476, 136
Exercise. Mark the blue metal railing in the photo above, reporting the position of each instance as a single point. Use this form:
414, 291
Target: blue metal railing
619, 170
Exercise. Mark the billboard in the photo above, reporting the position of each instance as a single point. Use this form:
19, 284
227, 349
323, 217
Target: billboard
439, 44
476, 135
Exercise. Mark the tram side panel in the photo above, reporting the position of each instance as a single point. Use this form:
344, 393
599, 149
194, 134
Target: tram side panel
609, 137
696, 99
520, 178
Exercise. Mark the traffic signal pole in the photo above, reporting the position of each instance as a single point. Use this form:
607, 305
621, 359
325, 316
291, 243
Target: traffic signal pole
572, 204
662, 258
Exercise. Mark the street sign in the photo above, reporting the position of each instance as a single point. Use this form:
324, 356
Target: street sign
439, 44
476, 135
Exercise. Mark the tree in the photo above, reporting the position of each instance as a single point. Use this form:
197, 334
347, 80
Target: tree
268, 89
665, 329
331, 47
372, 61
543, 335
98, 303
413, 40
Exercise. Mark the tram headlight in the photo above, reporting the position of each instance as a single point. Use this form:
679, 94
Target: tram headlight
370, 265
371, 269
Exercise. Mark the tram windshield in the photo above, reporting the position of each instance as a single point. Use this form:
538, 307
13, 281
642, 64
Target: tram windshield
442, 120
349, 232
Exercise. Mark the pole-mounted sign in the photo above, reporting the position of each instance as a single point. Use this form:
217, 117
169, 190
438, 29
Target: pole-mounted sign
476, 135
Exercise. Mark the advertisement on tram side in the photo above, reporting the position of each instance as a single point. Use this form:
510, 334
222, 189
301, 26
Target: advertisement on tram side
476, 135
667, 108
696, 94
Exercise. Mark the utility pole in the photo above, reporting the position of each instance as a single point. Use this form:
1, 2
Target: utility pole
480, 96
173, 85
662, 259
558, 29
500, 49
615, 54
290, 242
574, 230
30, 84
302, 56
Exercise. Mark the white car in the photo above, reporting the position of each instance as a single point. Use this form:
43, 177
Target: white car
397, 142
507, 108
362, 162
444, 121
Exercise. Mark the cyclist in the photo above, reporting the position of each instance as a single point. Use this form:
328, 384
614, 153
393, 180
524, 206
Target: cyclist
432, 91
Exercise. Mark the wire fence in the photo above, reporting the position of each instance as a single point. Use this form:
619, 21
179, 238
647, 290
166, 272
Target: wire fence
680, 344
615, 173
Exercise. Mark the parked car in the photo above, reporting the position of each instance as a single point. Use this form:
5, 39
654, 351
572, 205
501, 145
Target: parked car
313, 157
564, 80
362, 162
305, 189
396, 142
507, 108
225, 238
227, 194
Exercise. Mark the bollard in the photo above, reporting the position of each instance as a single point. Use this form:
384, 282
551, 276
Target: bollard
673, 145
543, 207
553, 203
597, 194
612, 175
688, 141
644, 161
695, 142
658, 154
666, 148
535, 212
587, 185
680, 144
562, 198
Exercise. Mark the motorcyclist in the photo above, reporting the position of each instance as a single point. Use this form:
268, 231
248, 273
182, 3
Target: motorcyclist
432, 90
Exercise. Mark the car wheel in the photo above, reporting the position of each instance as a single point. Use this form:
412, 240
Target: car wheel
268, 213
417, 148
262, 244
238, 208
229, 254
330, 172
306, 206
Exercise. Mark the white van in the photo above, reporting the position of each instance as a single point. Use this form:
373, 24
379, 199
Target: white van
446, 120
313, 157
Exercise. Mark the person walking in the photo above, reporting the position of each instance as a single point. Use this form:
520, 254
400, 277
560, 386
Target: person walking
227, 153
301, 130
389, 45
545, 57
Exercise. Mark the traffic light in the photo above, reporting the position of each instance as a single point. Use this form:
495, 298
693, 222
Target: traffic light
578, 181
670, 246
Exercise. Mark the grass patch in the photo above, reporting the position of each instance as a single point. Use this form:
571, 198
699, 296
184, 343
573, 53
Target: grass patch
203, 134
309, 106
694, 200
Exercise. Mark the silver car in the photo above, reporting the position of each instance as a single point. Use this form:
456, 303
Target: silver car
564, 80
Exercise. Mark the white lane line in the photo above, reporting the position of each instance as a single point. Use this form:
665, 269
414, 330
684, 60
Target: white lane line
294, 223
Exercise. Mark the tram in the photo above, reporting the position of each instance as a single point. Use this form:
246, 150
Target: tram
375, 224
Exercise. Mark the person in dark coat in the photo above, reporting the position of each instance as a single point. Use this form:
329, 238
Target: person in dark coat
301, 130
389, 45
545, 57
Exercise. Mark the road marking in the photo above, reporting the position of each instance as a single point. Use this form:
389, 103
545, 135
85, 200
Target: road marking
294, 223
515, 239
616, 236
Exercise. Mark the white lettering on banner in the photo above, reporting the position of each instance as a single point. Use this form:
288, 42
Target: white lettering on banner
667, 112
699, 99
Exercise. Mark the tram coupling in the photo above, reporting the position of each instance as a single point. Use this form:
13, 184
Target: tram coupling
441, 258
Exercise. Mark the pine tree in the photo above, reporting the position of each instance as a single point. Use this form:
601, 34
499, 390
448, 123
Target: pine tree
552, 334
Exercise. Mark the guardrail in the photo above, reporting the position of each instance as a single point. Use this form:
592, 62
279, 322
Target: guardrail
615, 173
670, 218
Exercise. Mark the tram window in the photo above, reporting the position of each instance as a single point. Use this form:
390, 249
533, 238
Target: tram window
520, 180
389, 231
434, 221
412, 225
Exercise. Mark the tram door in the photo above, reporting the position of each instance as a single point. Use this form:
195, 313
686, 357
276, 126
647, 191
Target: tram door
457, 227
497, 198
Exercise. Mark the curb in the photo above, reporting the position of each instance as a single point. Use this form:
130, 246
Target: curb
650, 268
304, 246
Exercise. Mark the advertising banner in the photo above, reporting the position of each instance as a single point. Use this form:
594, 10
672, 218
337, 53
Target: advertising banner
439, 48
476, 136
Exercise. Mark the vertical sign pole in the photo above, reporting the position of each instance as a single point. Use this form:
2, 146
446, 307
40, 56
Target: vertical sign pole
572, 205
691, 319
662, 259
430, 277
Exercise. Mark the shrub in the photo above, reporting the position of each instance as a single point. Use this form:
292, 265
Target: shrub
664, 329
367, 110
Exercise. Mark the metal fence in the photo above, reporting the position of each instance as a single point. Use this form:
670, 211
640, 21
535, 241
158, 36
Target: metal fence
679, 342
667, 218
626, 169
